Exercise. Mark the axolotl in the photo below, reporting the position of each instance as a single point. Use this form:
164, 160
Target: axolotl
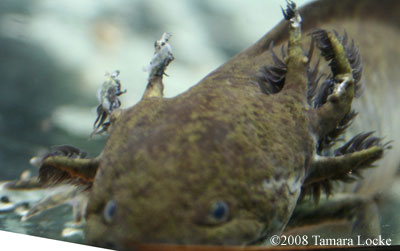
227, 161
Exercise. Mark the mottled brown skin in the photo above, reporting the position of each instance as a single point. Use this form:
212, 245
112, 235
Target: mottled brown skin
230, 139
167, 160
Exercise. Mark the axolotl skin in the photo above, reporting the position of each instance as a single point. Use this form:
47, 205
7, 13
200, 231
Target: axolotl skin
227, 161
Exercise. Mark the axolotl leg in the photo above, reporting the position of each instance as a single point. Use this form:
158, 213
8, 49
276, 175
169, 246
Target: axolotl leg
359, 153
66, 175
296, 61
67, 163
343, 83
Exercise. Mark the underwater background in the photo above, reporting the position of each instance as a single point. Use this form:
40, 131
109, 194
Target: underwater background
53, 58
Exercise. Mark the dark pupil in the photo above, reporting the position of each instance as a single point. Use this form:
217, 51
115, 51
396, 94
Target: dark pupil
109, 210
220, 210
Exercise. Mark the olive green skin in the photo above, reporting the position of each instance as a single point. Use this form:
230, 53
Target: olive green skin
167, 160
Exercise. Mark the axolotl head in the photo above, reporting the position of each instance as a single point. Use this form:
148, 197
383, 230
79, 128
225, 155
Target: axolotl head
202, 168
222, 163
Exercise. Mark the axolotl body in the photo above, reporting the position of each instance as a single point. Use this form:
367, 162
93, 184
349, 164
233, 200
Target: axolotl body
223, 142
226, 161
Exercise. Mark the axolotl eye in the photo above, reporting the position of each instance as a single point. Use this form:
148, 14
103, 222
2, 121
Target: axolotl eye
219, 211
109, 211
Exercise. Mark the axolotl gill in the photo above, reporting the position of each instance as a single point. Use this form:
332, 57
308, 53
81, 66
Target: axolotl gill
227, 161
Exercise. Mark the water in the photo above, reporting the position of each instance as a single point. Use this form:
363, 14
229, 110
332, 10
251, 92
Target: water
56, 223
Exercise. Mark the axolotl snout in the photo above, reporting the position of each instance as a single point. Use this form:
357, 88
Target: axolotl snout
227, 161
